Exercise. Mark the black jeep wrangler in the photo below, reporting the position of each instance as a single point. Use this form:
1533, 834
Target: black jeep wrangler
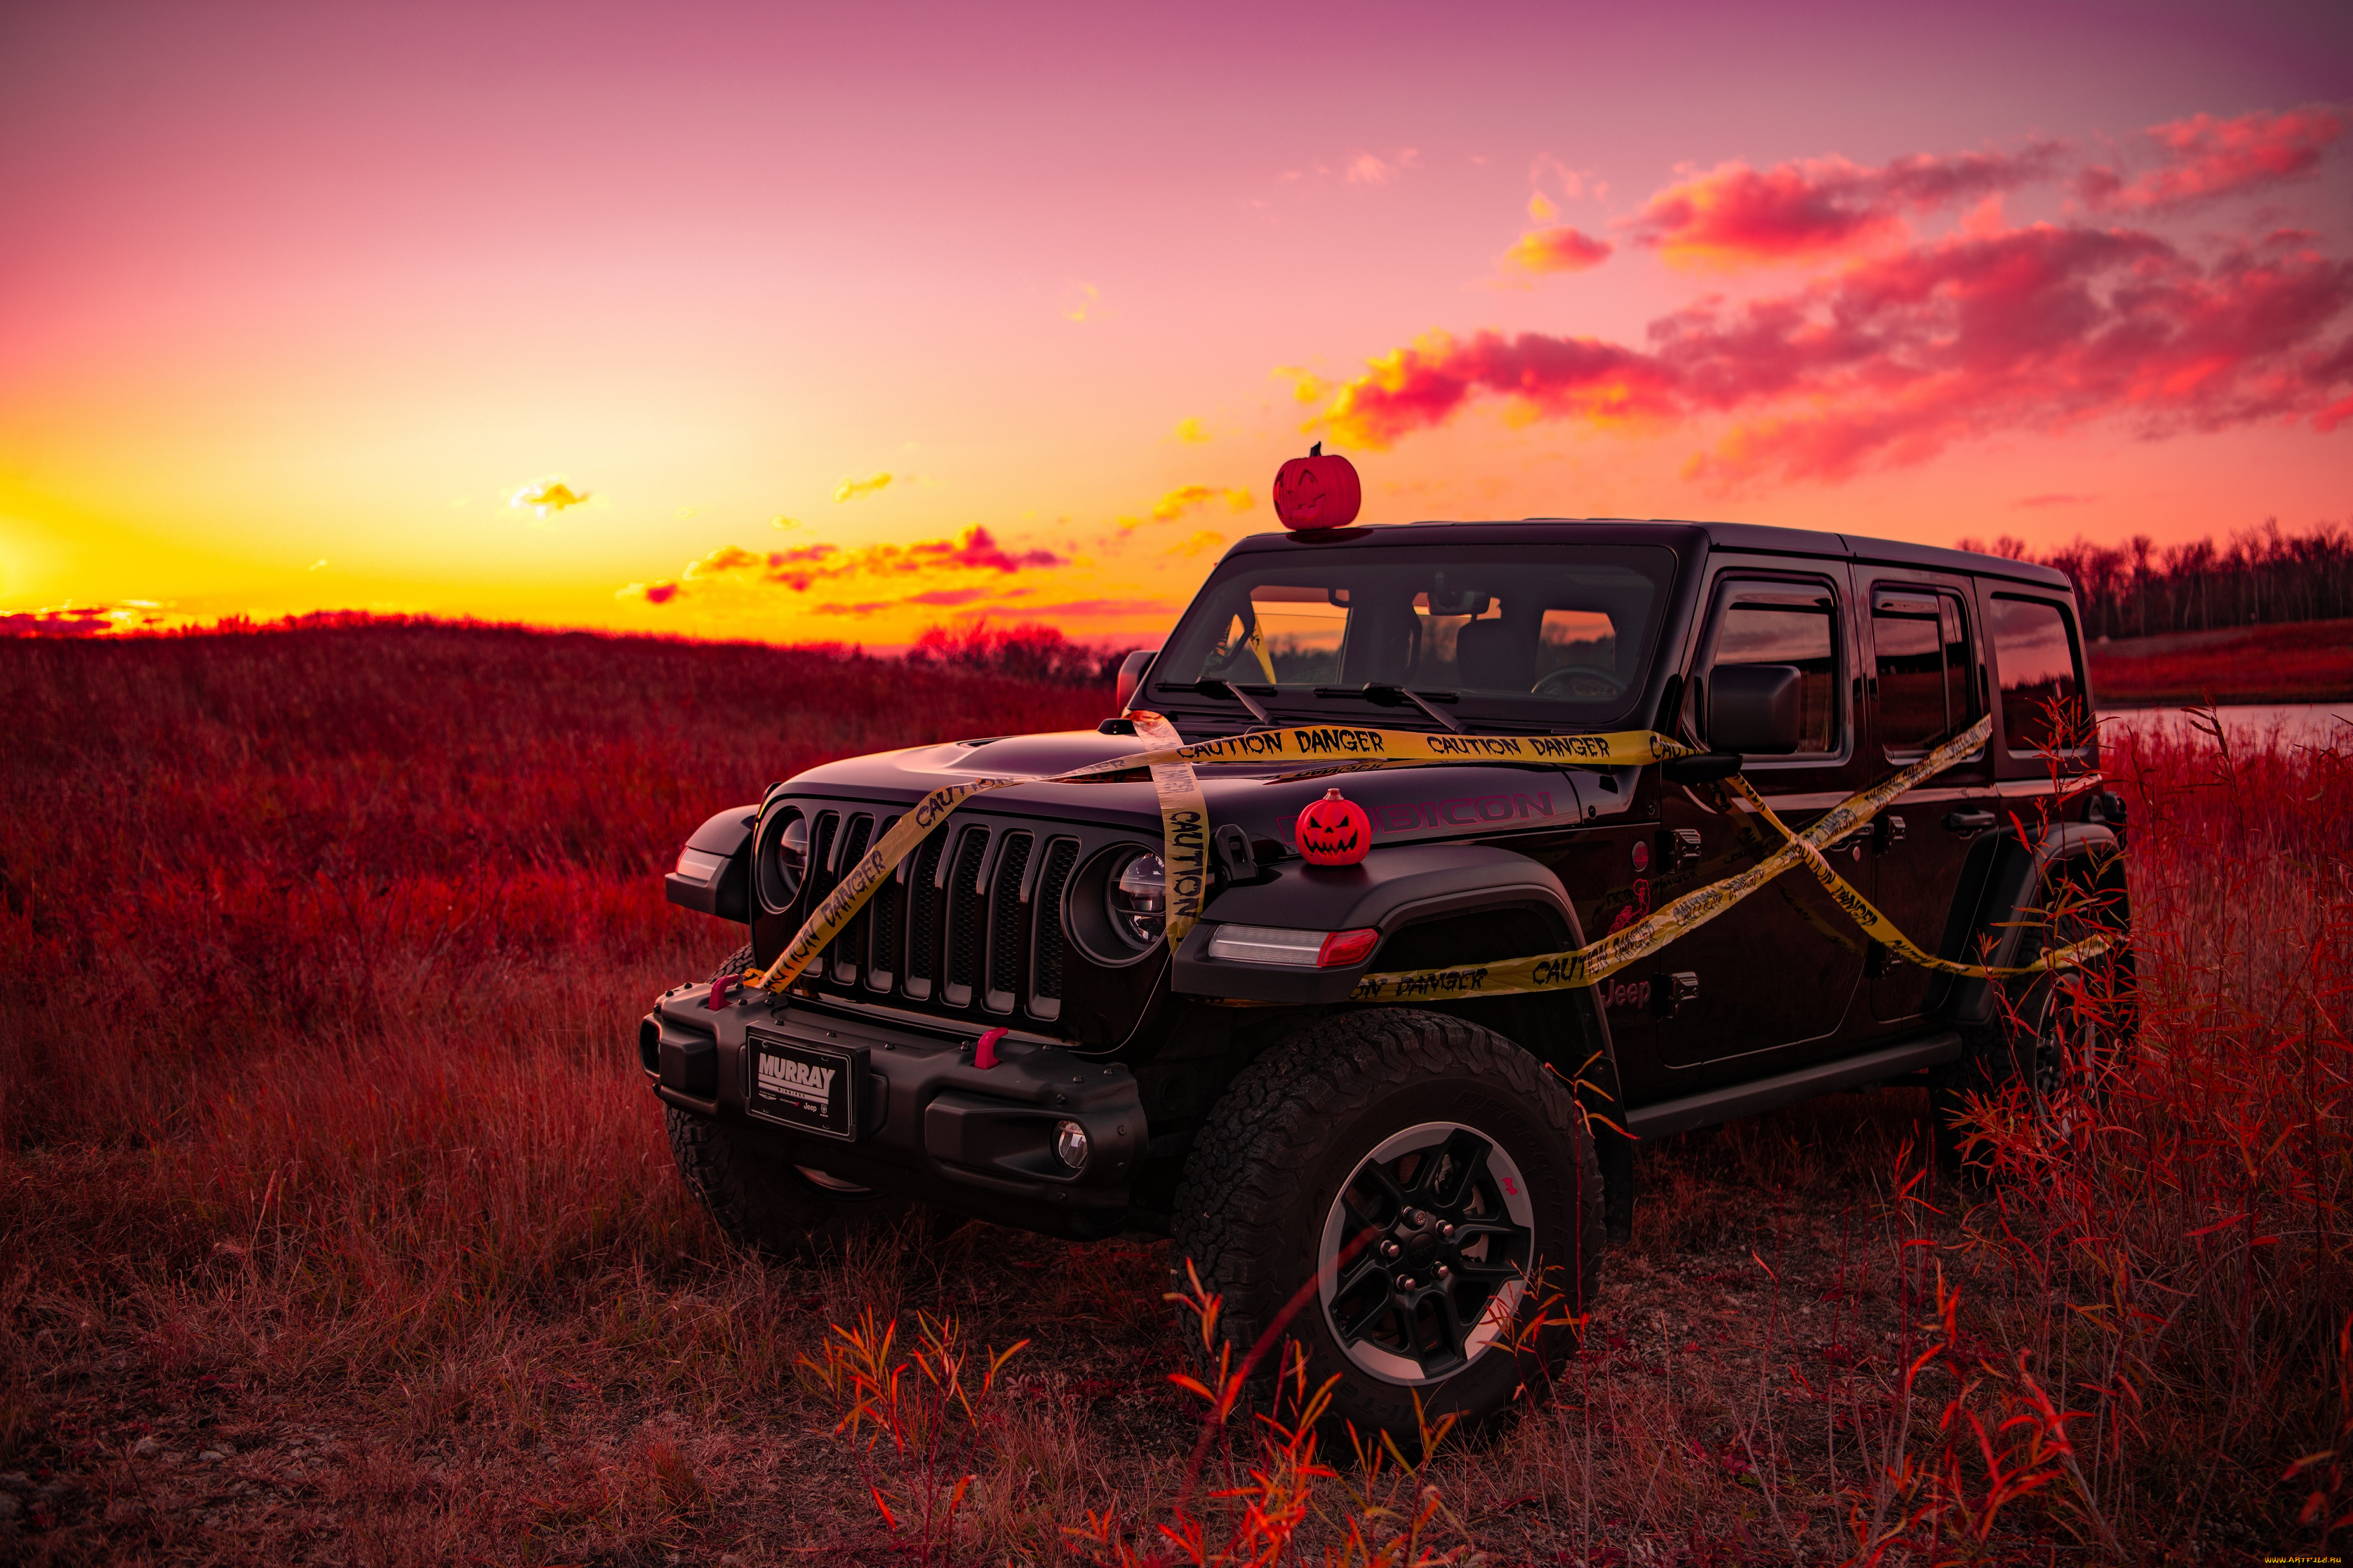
1417, 1192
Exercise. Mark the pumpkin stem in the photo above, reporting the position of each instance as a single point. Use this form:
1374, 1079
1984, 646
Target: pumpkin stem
1317, 451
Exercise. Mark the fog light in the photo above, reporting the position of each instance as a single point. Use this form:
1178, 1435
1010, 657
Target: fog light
1070, 1144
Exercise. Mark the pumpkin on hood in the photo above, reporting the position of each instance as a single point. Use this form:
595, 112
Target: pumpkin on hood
1334, 831
1318, 491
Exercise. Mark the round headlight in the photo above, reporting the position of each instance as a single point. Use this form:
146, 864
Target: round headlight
1137, 900
783, 859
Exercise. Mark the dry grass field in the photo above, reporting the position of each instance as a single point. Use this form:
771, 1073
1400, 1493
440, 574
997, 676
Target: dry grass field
2301, 661
336, 1224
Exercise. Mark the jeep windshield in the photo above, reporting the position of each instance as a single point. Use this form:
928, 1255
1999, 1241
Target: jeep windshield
1517, 637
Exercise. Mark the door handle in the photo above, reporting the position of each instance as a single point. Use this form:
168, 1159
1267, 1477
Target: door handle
1967, 821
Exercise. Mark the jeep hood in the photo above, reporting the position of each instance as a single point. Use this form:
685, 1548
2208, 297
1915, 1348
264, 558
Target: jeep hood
1448, 801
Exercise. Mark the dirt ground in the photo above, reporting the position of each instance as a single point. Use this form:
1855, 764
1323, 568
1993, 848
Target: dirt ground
1741, 1357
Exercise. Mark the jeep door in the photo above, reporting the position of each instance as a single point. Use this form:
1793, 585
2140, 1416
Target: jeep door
1775, 974
1926, 681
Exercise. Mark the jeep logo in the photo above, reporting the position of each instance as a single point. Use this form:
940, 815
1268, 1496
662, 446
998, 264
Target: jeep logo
1626, 993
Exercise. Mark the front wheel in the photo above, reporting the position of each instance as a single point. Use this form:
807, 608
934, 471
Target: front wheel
760, 1197
1412, 1198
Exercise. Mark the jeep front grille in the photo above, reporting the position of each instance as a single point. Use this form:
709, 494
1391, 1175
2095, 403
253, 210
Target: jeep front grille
971, 920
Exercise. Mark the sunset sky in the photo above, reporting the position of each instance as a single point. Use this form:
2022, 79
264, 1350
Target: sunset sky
830, 323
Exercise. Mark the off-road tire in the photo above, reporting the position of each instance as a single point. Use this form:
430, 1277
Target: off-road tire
1294, 1127
2059, 1039
760, 1199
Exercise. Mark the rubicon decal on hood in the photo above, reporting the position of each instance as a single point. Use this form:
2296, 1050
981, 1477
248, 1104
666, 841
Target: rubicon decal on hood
1472, 811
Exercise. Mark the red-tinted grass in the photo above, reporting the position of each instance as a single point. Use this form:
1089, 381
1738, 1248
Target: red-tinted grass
321, 1149
2307, 661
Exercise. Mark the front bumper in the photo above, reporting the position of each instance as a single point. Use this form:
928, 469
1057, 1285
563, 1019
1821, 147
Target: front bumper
936, 1128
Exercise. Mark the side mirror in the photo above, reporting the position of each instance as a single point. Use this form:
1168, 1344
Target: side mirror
1131, 674
1757, 710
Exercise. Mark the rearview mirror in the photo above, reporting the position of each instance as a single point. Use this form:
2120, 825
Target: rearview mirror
1757, 710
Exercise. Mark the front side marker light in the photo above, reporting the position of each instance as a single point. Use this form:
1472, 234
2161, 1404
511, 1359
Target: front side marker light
1070, 1144
1292, 949
1343, 948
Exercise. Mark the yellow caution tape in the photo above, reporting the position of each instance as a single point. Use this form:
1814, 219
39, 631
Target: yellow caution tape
1596, 961
857, 884
1185, 813
1185, 828
1882, 929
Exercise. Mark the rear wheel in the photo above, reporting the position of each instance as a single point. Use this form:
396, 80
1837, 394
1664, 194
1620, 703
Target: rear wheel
1410, 1197
2031, 1080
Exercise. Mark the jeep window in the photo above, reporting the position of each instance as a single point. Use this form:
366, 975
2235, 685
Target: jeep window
1920, 642
1786, 623
1554, 634
2041, 681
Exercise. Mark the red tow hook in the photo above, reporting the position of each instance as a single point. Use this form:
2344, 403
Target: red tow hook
983, 1049
720, 985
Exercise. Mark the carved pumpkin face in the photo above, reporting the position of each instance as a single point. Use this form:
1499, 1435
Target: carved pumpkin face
1334, 831
1318, 491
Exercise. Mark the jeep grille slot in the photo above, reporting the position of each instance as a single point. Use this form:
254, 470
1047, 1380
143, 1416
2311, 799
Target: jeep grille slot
967, 918
1005, 924
888, 912
923, 918
851, 944
1061, 858
821, 838
823, 833
969, 925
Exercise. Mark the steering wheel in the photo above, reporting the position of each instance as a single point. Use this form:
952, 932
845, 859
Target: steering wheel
1582, 680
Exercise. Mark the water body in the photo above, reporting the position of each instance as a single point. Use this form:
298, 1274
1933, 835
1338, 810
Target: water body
2295, 724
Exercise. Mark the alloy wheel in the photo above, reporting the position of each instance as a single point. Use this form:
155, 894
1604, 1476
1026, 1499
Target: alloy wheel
1426, 1253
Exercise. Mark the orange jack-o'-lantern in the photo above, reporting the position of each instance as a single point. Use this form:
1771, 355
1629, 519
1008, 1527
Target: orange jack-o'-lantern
1334, 831
1318, 491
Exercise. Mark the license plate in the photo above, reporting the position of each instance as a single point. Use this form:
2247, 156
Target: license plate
811, 1088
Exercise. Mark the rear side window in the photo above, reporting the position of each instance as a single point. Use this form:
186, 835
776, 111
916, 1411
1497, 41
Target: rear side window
1786, 624
1921, 647
2042, 680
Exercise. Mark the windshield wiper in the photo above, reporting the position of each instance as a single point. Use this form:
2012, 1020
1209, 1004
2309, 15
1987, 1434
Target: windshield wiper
1225, 689
1386, 696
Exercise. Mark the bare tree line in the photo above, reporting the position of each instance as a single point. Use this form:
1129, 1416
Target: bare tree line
2262, 576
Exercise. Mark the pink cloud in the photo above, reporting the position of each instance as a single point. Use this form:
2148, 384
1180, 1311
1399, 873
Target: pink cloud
1426, 385
71, 620
935, 599
800, 567
972, 548
1899, 356
1734, 216
89, 621
2205, 159
1559, 249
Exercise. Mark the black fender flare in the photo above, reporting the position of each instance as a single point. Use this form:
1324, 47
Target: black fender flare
2003, 877
1392, 889
715, 869
1408, 887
